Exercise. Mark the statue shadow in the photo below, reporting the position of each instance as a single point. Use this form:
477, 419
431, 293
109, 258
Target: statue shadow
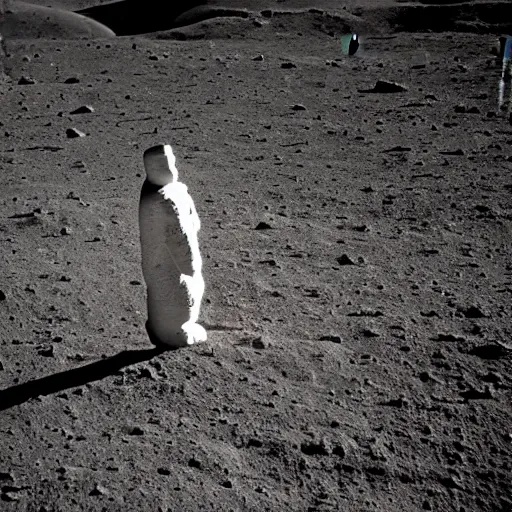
16, 395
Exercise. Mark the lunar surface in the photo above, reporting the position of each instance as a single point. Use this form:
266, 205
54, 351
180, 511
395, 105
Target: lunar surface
356, 227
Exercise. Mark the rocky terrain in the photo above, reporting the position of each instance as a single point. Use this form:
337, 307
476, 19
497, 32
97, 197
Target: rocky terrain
356, 237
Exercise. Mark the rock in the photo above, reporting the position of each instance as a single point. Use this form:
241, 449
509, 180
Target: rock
472, 312
331, 337
315, 448
25, 80
65, 231
72, 80
259, 344
153, 57
73, 133
98, 490
298, 106
460, 109
288, 65
385, 87
85, 109
46, 351
2, 295
258, 58
369, 333
263, 225
489, 351
163, 471
456, 152
136, 431
344, 259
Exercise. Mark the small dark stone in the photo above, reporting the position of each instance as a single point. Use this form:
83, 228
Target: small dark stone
72, 80
298, 106
2, 295
386, 87
263, 225
344, 259
489, 351
98, 490
136, 431
194, 463
259, 344
227, 484
163, 471
73, 133
84, 109
333, 338
473, 312
24, 80
288, 65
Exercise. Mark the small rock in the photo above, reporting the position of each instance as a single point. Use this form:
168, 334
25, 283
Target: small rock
460, 109
25, 80
2, 295
263, 225
72, 80
332, 337
98, 490
153, 57
259, 344
227, 484
46, 351
73, 133
65, 231
489, 351
456, 152
163, 471
136, 431
473, 312
258, 58
298, 106
84, 109
288, 65
385, 87
344, 259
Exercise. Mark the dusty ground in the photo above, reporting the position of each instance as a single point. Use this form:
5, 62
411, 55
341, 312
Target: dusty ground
359, 353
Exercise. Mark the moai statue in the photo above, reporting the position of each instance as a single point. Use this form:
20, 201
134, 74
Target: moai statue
171, 261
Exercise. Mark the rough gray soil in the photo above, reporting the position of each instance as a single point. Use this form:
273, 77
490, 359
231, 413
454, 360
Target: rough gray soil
359, 352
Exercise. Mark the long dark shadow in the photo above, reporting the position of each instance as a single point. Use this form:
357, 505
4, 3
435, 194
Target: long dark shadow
20, 393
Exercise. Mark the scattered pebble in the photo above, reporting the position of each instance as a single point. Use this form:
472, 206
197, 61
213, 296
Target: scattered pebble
72, 80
